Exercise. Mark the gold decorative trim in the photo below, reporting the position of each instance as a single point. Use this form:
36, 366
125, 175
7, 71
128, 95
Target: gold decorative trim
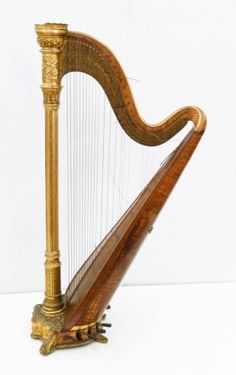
50, 68
51, 96
44, 325
51, 35
47, 41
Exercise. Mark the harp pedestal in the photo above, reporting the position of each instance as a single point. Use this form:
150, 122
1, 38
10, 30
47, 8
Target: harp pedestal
49, 329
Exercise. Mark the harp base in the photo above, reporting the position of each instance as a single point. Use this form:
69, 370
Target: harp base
49, 329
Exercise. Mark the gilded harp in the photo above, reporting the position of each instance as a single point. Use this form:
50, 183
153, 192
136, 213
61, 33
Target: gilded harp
77, 317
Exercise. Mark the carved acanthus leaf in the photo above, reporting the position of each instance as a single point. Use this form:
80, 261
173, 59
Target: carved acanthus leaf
46, 41
50, 68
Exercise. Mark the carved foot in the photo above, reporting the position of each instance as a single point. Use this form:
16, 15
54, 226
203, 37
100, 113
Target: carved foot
49, 346
49, 329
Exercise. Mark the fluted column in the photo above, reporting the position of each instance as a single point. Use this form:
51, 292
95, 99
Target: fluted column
51, 38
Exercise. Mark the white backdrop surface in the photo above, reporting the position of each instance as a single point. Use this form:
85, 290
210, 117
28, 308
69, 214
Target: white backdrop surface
181, 53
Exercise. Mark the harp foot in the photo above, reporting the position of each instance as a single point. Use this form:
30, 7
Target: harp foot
49, 346
49, 329
98, 337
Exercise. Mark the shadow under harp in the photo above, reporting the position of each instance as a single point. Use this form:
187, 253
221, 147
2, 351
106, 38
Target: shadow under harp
107, 153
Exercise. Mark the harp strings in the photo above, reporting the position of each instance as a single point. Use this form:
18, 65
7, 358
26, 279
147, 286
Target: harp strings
95, 168
106, 170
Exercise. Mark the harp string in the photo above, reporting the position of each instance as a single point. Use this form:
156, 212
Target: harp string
105, 169
90, 192
76, 169
108, 174
96, 132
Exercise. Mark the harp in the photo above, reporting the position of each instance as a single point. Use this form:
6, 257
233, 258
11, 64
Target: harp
77, 317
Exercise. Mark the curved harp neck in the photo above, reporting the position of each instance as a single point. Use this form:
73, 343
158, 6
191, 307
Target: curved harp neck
85, 54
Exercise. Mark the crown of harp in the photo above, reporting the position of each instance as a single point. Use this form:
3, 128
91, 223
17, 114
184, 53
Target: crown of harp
77, 317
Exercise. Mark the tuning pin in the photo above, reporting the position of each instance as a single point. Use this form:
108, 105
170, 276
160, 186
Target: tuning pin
108, 307
106, 325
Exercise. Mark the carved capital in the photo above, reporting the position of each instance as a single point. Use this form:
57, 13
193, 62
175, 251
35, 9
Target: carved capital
51, 35
47, 41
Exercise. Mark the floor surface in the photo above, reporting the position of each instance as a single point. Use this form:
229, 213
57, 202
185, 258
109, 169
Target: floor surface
167, 329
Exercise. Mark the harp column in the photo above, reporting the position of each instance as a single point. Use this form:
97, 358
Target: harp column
51, 38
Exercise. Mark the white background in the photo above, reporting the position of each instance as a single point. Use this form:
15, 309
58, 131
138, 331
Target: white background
185, 330
182, 53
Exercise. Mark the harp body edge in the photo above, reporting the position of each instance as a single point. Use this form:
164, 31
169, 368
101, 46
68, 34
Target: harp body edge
77, 317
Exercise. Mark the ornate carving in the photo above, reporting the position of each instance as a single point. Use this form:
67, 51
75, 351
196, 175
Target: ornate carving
47, 41
54, 323
51, 35
51, 96
49, 345
50, 67
49, 329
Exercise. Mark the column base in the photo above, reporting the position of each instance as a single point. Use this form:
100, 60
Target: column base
49, 329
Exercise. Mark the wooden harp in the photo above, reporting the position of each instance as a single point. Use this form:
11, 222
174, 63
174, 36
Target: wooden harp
77, 317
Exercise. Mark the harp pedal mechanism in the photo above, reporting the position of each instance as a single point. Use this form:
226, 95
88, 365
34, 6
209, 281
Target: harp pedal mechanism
107, 325
98, 337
